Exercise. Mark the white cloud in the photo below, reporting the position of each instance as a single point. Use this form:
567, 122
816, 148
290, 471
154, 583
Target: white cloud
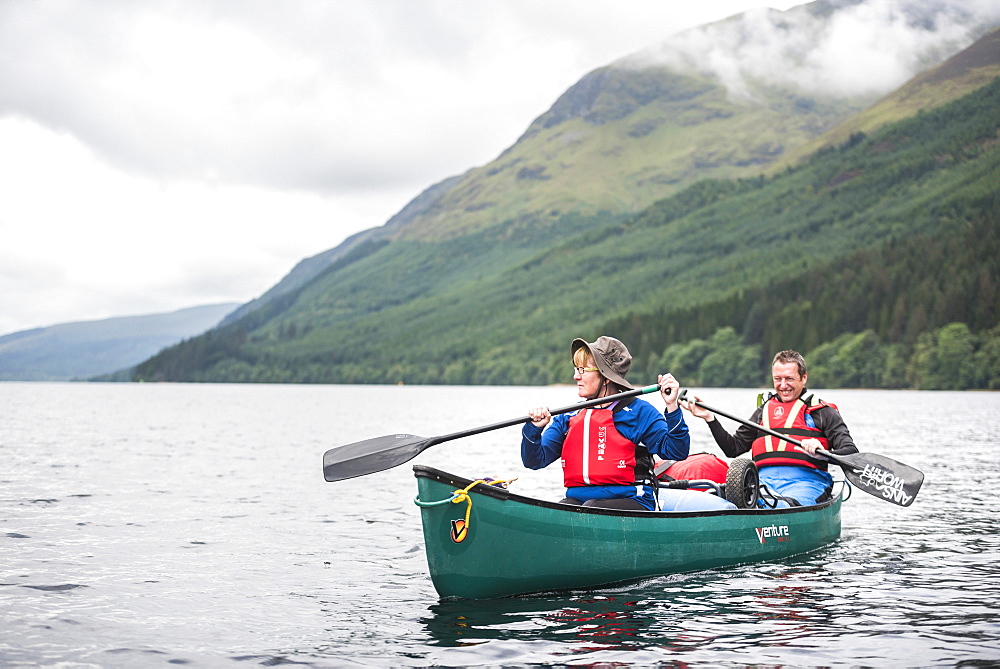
865, 48
83, 239
333, 96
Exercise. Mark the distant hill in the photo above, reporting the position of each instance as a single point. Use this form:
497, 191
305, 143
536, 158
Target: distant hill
88, 348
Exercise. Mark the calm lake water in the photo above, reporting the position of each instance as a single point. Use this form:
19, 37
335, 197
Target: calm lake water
146, 525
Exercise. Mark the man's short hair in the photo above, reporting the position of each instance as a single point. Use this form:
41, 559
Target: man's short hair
791, 356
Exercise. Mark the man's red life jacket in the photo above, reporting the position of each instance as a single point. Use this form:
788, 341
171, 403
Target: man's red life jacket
595, 453
788, 418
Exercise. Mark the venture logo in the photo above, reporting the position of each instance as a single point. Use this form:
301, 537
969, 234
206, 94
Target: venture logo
776, 532
885, 482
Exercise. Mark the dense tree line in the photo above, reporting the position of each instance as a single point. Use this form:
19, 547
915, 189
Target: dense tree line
947, 358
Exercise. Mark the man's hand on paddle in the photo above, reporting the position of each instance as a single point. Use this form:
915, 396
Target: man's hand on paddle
810, 445
697, 411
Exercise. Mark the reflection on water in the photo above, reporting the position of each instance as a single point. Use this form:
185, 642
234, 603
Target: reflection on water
594, 621
805, 607
722, 610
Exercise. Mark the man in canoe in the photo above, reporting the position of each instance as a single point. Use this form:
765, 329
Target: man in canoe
797, 476
607, 450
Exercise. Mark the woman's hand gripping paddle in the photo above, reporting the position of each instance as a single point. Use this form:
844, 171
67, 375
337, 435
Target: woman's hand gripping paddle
877, 475
381, 453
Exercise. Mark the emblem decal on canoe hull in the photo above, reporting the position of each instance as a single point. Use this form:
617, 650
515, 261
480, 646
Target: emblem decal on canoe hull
459, 530
773, 532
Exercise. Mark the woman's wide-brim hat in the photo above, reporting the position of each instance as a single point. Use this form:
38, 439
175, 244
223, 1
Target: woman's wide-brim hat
610, 356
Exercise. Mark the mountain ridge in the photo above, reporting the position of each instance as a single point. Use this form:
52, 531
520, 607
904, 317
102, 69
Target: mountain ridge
83, 349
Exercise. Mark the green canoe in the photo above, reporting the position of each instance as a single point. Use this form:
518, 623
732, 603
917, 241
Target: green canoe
515, 545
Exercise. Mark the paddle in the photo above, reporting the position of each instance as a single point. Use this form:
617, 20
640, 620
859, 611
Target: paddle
877, 475
381, 453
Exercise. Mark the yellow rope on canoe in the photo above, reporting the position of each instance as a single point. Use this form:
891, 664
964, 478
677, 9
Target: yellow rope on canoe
462, 495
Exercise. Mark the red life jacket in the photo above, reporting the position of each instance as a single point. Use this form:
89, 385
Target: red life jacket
595, 453
788, 418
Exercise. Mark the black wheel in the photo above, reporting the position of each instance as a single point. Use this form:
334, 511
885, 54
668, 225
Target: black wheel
742, 483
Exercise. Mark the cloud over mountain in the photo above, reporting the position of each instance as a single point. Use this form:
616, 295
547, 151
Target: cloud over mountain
838, 47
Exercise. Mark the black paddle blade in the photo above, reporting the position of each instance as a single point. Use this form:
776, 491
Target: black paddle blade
372, 455
881, 476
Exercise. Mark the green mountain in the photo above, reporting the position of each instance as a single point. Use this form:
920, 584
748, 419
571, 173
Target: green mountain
881, 247
87, 348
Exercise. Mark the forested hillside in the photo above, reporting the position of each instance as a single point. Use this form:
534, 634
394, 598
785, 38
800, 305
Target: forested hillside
884, 248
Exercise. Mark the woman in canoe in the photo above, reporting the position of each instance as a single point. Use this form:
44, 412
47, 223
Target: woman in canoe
606, 451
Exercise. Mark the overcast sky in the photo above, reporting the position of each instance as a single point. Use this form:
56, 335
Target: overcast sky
159, 155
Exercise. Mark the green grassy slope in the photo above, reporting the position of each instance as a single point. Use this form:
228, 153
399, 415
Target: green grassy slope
622, 138
501, 304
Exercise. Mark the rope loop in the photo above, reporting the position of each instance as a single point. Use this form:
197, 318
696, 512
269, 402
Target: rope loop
418, 502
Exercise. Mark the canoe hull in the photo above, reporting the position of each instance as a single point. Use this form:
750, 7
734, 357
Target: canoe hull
517, 545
